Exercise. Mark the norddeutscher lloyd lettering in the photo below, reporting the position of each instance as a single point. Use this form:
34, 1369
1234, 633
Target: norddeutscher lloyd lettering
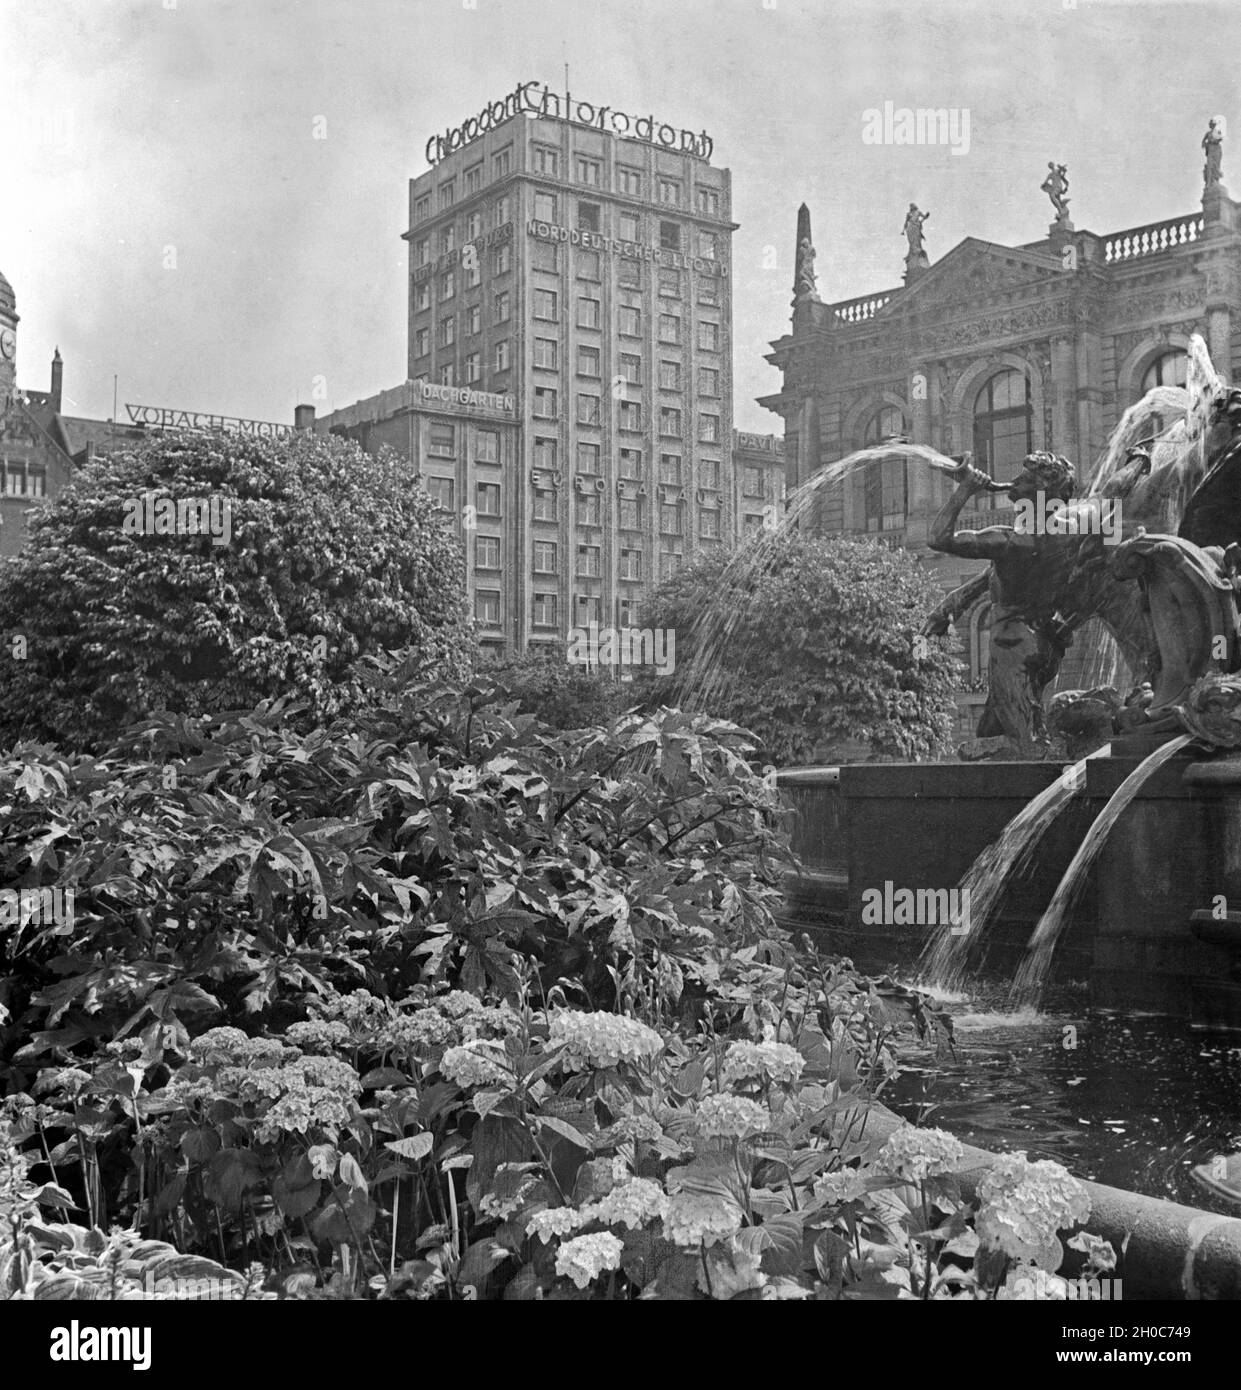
635, 250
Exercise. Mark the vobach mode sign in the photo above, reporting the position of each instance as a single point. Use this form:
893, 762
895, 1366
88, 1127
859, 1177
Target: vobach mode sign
530, 98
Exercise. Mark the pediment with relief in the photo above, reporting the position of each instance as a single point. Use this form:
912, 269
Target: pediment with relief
978, 270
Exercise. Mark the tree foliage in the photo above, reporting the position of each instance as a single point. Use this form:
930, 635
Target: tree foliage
808, 643
333, 555
563, 695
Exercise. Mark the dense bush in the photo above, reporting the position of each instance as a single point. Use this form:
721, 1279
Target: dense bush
810, 642
561, 694
332, 555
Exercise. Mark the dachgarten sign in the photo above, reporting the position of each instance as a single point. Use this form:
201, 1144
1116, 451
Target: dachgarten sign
534, 100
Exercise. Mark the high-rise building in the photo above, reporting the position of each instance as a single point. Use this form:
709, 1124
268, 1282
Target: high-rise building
576, 261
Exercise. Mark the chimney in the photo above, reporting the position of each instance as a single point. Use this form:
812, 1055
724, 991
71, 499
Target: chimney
303, 417
58, 380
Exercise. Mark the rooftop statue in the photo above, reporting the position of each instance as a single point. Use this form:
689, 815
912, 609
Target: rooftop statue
1056, 186
913, 231
1213, 148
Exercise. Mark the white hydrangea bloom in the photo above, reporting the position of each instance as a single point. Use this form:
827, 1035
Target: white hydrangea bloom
602, 1039
584, 1258
844, 1186
477, 1063
693, 1219
631, 1204
730, 1117
554, 1221
761, 1061
915, 1154
1025, 1204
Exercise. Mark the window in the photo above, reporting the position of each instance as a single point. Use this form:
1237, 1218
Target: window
624, 611
473, 226
709, 472
448, 285
588, 265
670, 284
422, 342
706, 246
488, 495
587, 313
503, 355
25, 479
1168, 369
1003, 428
503, 258
884, 488
487, 607
669, 420
708, 429
474, 319
422, 251
708, 381
543, 612
448, 374
669, 563
503, 211
630, 181
629, 415
545, 557
629, 226
751, 481
448, 331
631, 564
487, 552
448, 194
590, 561
589, 171
669, 236
669, 328
631, 367
546, 160
588, 407
589, 609
707, 200
502, 307
629, 273
588, 458
708, 290
544, 504
545, 305
422, 296
546, 353
545, 402
588, 361
422, 208
472, 271
545, 207
442, 441
448, 240
669, 520
669, 376
629, 321
474, 177
670, 192
487, 446
629, 513
545, 453
709, 337
587, 508
587, 217
502, 163
670, 469
473, 368
631, 463
546, 256
709, 523
753, 522
440, 490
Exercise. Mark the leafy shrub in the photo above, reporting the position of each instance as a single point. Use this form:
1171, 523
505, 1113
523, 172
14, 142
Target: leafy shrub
333, 555
807, 643
563, 696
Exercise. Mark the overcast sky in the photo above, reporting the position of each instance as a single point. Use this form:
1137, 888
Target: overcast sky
168, 215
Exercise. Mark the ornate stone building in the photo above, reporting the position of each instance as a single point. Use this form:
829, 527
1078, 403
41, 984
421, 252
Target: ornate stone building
999, 350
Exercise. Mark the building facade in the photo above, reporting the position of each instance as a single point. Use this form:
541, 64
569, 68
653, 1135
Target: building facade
998, 350
576, 261
758, 480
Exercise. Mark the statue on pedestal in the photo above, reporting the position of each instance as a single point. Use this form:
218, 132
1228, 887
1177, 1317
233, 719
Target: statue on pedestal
1213, 148
1056, 186
913, 232
805, 282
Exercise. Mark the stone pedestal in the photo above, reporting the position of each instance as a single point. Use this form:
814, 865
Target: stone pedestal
915, 264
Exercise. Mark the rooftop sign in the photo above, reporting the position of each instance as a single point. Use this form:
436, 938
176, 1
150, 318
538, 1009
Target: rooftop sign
162, 419
534, 100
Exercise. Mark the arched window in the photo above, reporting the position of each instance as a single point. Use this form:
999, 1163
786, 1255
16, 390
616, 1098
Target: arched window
1003, 427
884, 485
1168, 369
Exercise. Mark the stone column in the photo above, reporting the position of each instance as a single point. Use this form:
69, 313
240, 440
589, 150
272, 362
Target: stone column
1063, 390
1219, 336
921, 377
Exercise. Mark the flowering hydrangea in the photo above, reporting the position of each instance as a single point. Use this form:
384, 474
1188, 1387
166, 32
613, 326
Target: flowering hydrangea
631, 1204
845, 1186
407, 1032
694, 1219
586, 1257
1024, 1204
602, 1039
218, 1046
1026, 1284
502, 1205
764, 1061
554, 1221
457, 1003
477, 1063
638, 1125
319, 1035
359, 1010
500, 1021
915, 1154
725, 1117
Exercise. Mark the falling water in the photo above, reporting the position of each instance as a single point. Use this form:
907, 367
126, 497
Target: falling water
945, 960
1031, 977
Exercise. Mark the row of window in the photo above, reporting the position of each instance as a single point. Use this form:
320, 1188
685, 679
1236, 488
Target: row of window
23, 479
588, 508
588, 608
628, 415
547, 358
589, 557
